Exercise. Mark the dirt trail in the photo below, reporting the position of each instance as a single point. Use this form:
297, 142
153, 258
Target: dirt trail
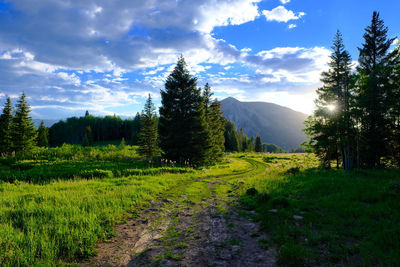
182, 232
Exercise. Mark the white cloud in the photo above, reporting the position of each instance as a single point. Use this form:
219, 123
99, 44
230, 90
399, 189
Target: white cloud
285, 1
86, 61
226, 13
292, 26
281, 14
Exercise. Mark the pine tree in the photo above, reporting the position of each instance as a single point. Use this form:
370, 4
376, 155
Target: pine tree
5, 128
258, 145
148, 133
331, 127
23, 131
216, 126
182, 125
373, 85
43, 133
122, 145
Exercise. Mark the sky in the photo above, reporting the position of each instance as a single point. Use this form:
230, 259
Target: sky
106, 56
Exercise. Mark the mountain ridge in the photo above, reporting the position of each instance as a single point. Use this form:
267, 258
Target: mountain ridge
275, 124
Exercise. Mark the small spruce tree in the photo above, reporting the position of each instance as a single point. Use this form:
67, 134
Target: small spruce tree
5, 128
258, 145
148, 133
23, 131
43, 133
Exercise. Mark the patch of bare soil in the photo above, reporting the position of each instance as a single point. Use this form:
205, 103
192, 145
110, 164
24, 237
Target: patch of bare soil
183, 233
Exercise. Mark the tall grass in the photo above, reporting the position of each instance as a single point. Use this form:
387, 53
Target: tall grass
60, 222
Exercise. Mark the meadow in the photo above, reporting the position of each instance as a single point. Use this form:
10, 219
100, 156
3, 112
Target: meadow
58, 203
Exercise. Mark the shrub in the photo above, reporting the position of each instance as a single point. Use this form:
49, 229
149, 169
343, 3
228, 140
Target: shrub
251, 191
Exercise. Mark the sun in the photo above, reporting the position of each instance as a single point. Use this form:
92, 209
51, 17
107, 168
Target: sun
331, 107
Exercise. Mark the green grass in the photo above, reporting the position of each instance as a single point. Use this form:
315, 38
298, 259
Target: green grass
58, 205
349, 218
60, 221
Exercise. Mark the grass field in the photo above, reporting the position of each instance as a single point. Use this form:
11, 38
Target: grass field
54, 209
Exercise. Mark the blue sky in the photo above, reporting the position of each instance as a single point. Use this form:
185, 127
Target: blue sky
107, 56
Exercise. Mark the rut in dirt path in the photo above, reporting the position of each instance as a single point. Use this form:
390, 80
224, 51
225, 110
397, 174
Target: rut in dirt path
181, 232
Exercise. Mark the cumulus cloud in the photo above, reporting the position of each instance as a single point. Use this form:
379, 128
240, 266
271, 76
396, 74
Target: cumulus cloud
281, 14
76, 55
285, 1
292, 26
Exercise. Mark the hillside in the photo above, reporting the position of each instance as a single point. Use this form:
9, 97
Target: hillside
275, 124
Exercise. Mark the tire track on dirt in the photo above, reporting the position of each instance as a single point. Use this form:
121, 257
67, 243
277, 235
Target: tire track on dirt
180, 232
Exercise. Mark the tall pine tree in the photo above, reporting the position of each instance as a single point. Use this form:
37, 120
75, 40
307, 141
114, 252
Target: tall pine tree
5, 128
23, 131
373, 85
182, 125
148, 134
331, 127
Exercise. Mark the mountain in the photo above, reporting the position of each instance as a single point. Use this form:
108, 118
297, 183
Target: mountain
47, 123
275, 124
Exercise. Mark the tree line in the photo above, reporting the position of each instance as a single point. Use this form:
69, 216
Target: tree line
89, 129
356, 123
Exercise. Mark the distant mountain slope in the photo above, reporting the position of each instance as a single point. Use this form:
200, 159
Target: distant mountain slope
275, 124
47, 123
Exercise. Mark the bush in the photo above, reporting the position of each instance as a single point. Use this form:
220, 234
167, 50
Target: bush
251, 191
293, 171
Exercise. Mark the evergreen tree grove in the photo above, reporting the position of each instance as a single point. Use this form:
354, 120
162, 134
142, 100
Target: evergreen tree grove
23, 132
357, 116
148, 134
183, 130
5, 128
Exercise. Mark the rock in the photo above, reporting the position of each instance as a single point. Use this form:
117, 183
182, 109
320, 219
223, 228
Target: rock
167, 200
298, 217
249, 226
273, 210
235, 249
